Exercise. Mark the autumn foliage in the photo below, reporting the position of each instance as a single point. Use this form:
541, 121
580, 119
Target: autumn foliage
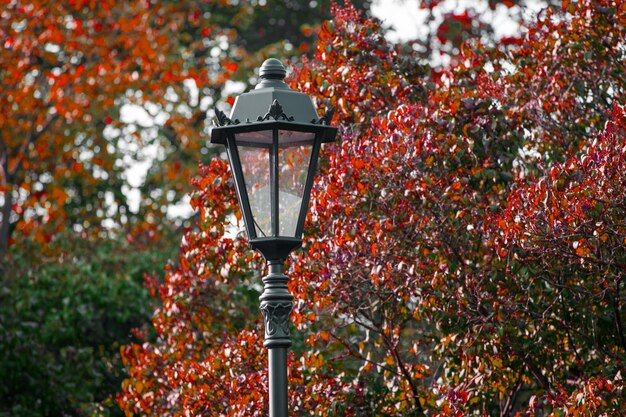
69, 67
90, 90
465, 248
103, 110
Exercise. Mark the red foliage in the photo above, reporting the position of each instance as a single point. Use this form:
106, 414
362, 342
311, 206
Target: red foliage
453, 27
465, 248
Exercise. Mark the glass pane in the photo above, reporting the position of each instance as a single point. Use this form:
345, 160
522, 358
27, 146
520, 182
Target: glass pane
292, 138
263, 137
293, 163
255, 164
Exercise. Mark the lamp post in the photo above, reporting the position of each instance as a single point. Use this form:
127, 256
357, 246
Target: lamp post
273, 138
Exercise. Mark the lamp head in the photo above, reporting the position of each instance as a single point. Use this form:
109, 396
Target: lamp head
273, 137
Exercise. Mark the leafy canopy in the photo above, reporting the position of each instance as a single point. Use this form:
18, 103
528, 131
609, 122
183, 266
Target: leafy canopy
465, 250
90, 91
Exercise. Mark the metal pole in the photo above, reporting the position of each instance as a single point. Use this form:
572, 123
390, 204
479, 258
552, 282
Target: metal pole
276, 305
278, 381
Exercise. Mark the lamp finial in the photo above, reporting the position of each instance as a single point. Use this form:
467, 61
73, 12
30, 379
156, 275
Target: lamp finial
272, 74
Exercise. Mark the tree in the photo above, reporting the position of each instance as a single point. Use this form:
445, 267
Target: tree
70, 67
76, 70
63, 322
466, 244
89, 91
447, 25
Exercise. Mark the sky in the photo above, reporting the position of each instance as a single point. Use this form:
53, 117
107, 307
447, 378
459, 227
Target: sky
403, 15
406, 18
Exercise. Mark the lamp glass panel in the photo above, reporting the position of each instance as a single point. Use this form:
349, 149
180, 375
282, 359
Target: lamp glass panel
294, 156
292, 138
255, 164
257, 138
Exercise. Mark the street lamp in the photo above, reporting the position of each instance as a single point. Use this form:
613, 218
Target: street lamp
273, 138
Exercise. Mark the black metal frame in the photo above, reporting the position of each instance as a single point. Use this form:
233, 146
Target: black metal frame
219, 133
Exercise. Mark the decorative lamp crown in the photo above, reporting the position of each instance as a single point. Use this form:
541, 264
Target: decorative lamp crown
273, 137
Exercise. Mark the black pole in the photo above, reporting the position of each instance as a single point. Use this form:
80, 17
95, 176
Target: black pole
276, 305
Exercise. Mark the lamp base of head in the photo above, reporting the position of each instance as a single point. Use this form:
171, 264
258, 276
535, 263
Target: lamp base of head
275, 248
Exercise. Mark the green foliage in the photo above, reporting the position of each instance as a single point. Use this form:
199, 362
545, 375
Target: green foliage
62, 321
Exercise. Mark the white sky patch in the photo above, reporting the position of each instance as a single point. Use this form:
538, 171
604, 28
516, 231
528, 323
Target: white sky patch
192, 89
407, 19
137, 171
233, 87
148, 116
182, 209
